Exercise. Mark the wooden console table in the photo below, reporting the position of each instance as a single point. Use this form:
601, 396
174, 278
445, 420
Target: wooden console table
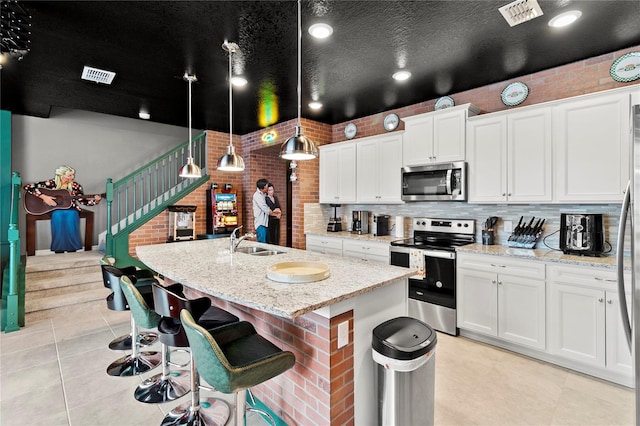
31, 230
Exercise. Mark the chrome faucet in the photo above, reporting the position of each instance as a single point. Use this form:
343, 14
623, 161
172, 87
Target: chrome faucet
234, 241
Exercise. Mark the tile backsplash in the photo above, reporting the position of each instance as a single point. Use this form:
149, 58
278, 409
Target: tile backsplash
317, 216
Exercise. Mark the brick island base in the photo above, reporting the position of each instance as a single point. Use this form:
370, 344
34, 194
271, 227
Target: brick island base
328, 385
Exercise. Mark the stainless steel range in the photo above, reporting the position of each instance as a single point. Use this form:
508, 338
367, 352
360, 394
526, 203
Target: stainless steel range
432, 253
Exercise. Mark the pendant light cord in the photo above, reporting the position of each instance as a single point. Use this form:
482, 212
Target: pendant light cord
299, 63
190, 82
230, 100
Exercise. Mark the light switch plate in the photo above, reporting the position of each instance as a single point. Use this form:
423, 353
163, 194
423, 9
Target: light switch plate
343, 334
508, 226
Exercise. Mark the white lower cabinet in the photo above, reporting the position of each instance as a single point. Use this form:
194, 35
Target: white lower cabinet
585, 313
366, 250
324, 245
503, 298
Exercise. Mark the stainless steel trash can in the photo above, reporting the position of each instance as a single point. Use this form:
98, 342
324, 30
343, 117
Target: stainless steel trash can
404, 350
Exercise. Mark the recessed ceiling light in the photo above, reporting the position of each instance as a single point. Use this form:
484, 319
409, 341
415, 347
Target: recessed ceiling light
238, 81
320, 30
144, 115
315, 105
564, 19
401, 75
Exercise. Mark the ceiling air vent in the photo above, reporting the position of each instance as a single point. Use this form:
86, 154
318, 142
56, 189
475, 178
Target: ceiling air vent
520, 11
97, 75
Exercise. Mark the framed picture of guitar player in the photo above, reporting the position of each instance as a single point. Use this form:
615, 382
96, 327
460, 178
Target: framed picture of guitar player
61, 196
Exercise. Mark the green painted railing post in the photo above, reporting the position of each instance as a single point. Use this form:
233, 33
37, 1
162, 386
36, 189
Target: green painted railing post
13, 311
109, 238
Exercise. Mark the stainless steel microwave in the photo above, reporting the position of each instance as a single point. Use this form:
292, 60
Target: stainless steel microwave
435, 182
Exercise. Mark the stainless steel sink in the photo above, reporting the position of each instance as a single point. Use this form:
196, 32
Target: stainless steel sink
257, 251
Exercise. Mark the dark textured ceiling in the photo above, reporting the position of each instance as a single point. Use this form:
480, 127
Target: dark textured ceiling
449, 46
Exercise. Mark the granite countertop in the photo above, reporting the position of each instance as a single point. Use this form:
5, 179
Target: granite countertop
348, 235
208, 266
545, 255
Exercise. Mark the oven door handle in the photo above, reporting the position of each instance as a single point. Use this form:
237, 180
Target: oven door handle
441, 254
449, 181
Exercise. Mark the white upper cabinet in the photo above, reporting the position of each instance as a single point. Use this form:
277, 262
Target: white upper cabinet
510, 157
379, 164
592, 136
338, 173
436, 137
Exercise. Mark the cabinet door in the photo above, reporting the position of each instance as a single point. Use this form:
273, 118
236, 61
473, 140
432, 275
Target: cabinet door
390, 169
417, 145
529, 154
338, 173
521, 311
487, 160
449, 136
618, 353
347, 173
329, 174
577, 324
367, 171
477, 301
592, 142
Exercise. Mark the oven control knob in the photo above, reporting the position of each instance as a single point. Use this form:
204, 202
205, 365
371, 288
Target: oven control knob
459, 224
424, 223
418, 222
466, 225
439, 284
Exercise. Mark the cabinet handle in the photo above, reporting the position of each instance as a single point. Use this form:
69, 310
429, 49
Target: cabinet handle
499, 282
509, 194
600, 299
610, 301
605, 279
503, 194
498, 266
324, 242
493, 281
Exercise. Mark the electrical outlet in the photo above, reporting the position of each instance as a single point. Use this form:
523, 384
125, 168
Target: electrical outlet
508, 226
343, 334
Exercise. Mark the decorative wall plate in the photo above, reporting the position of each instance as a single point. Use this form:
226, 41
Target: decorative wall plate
626, 68
391, 122
444, 102
350, 131
514, 94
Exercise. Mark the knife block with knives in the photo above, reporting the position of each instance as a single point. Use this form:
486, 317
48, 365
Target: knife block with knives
526, 236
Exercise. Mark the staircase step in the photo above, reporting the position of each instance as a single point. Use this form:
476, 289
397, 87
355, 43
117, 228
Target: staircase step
63, 261
42, 280
55, 291
66, 299
69, 310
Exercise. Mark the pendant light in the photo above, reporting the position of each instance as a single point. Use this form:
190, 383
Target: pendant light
190, 170
299, 147
230, 162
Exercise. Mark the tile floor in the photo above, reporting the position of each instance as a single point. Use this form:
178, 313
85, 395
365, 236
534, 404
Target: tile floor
52, 372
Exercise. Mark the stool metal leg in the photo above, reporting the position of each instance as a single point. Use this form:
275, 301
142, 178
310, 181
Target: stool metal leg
163, 387
123, 343
252, 409
198, 412
136, 363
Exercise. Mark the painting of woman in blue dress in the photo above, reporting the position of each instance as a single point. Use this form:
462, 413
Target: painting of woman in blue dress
65, 223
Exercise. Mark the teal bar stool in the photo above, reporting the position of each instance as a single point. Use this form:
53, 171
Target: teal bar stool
168, 303
143, 279
144, 316
233, 358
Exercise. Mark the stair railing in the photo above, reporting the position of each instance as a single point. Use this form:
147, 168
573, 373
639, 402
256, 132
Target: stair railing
13, 297
141, 195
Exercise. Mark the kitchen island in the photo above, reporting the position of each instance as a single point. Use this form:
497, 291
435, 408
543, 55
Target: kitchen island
328, 384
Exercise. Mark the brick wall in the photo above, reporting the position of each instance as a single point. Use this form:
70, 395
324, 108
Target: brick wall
261, 158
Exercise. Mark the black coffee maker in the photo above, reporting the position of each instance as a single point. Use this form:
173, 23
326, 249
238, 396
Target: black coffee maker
582, 234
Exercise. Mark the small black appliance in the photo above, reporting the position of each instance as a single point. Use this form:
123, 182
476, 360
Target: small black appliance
335, 222
582, 234
380, 225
